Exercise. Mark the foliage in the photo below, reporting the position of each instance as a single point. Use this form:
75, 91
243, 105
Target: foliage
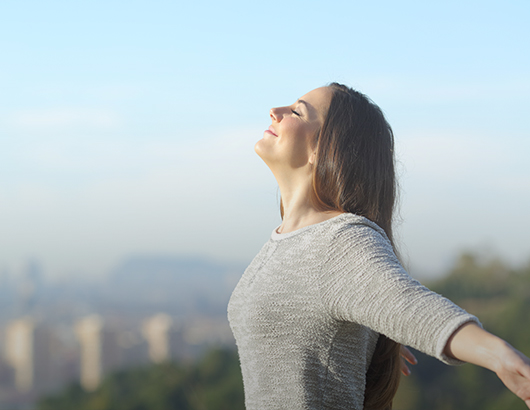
214, 383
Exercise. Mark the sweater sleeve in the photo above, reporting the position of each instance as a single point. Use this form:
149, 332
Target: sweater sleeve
364, 282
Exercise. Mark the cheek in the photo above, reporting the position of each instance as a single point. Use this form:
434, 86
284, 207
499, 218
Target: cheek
294, 132
302, 140
297, 149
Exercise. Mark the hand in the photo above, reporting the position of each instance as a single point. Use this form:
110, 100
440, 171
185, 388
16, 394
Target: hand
514, 370
472, 344
406, 356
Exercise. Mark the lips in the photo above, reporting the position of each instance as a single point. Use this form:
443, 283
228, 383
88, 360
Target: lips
271, 130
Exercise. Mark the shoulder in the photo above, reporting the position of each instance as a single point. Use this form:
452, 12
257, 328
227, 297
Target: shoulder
356, 243
357, 230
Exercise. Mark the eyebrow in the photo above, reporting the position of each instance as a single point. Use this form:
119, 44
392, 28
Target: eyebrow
308, 106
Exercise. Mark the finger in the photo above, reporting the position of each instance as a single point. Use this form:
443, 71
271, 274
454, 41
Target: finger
404, 368
407, 354
525, 369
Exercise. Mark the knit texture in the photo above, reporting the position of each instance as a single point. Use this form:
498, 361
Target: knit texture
308, 310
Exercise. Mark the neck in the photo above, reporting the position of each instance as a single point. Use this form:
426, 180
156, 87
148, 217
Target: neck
299, 210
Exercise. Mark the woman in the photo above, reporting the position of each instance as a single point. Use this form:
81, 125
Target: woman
319, 313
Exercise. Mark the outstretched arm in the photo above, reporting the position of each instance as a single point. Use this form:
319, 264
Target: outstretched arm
472, 344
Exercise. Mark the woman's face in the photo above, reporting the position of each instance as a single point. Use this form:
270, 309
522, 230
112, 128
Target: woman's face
289, 141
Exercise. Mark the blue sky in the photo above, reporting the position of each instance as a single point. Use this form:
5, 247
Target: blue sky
128, 126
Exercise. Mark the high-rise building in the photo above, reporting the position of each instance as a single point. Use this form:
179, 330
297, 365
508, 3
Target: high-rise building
19, 352
156, 331
89, 333
30, 286
19, 349
29, 350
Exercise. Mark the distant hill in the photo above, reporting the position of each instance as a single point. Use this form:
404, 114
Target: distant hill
173, 283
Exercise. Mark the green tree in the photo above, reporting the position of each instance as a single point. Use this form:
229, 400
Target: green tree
213, 383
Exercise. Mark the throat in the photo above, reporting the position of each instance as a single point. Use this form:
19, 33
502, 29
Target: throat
291, 224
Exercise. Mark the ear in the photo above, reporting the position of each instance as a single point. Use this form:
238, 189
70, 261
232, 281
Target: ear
312, 158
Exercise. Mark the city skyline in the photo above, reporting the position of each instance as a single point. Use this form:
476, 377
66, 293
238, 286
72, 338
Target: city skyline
55, 333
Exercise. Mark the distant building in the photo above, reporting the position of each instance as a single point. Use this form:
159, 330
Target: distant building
28, 349
102, 350
6, 375
133, 348
19, 352
89, 333
156, 331
30, 286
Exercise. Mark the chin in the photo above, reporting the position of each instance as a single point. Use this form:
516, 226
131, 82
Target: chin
260, 149
264, 153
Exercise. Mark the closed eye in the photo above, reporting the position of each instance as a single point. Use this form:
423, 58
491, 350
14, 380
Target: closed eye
295, 113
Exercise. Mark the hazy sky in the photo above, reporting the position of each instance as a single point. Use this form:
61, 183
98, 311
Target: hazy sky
127, 127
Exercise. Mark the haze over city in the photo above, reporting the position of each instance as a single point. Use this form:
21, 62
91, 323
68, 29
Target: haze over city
127, 128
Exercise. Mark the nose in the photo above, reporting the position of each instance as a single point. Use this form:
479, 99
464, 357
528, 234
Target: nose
275, 114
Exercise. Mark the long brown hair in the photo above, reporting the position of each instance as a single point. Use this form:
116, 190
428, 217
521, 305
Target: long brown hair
354, 172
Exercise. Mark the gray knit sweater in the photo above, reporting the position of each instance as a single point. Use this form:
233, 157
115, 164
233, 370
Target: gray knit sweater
307, 312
